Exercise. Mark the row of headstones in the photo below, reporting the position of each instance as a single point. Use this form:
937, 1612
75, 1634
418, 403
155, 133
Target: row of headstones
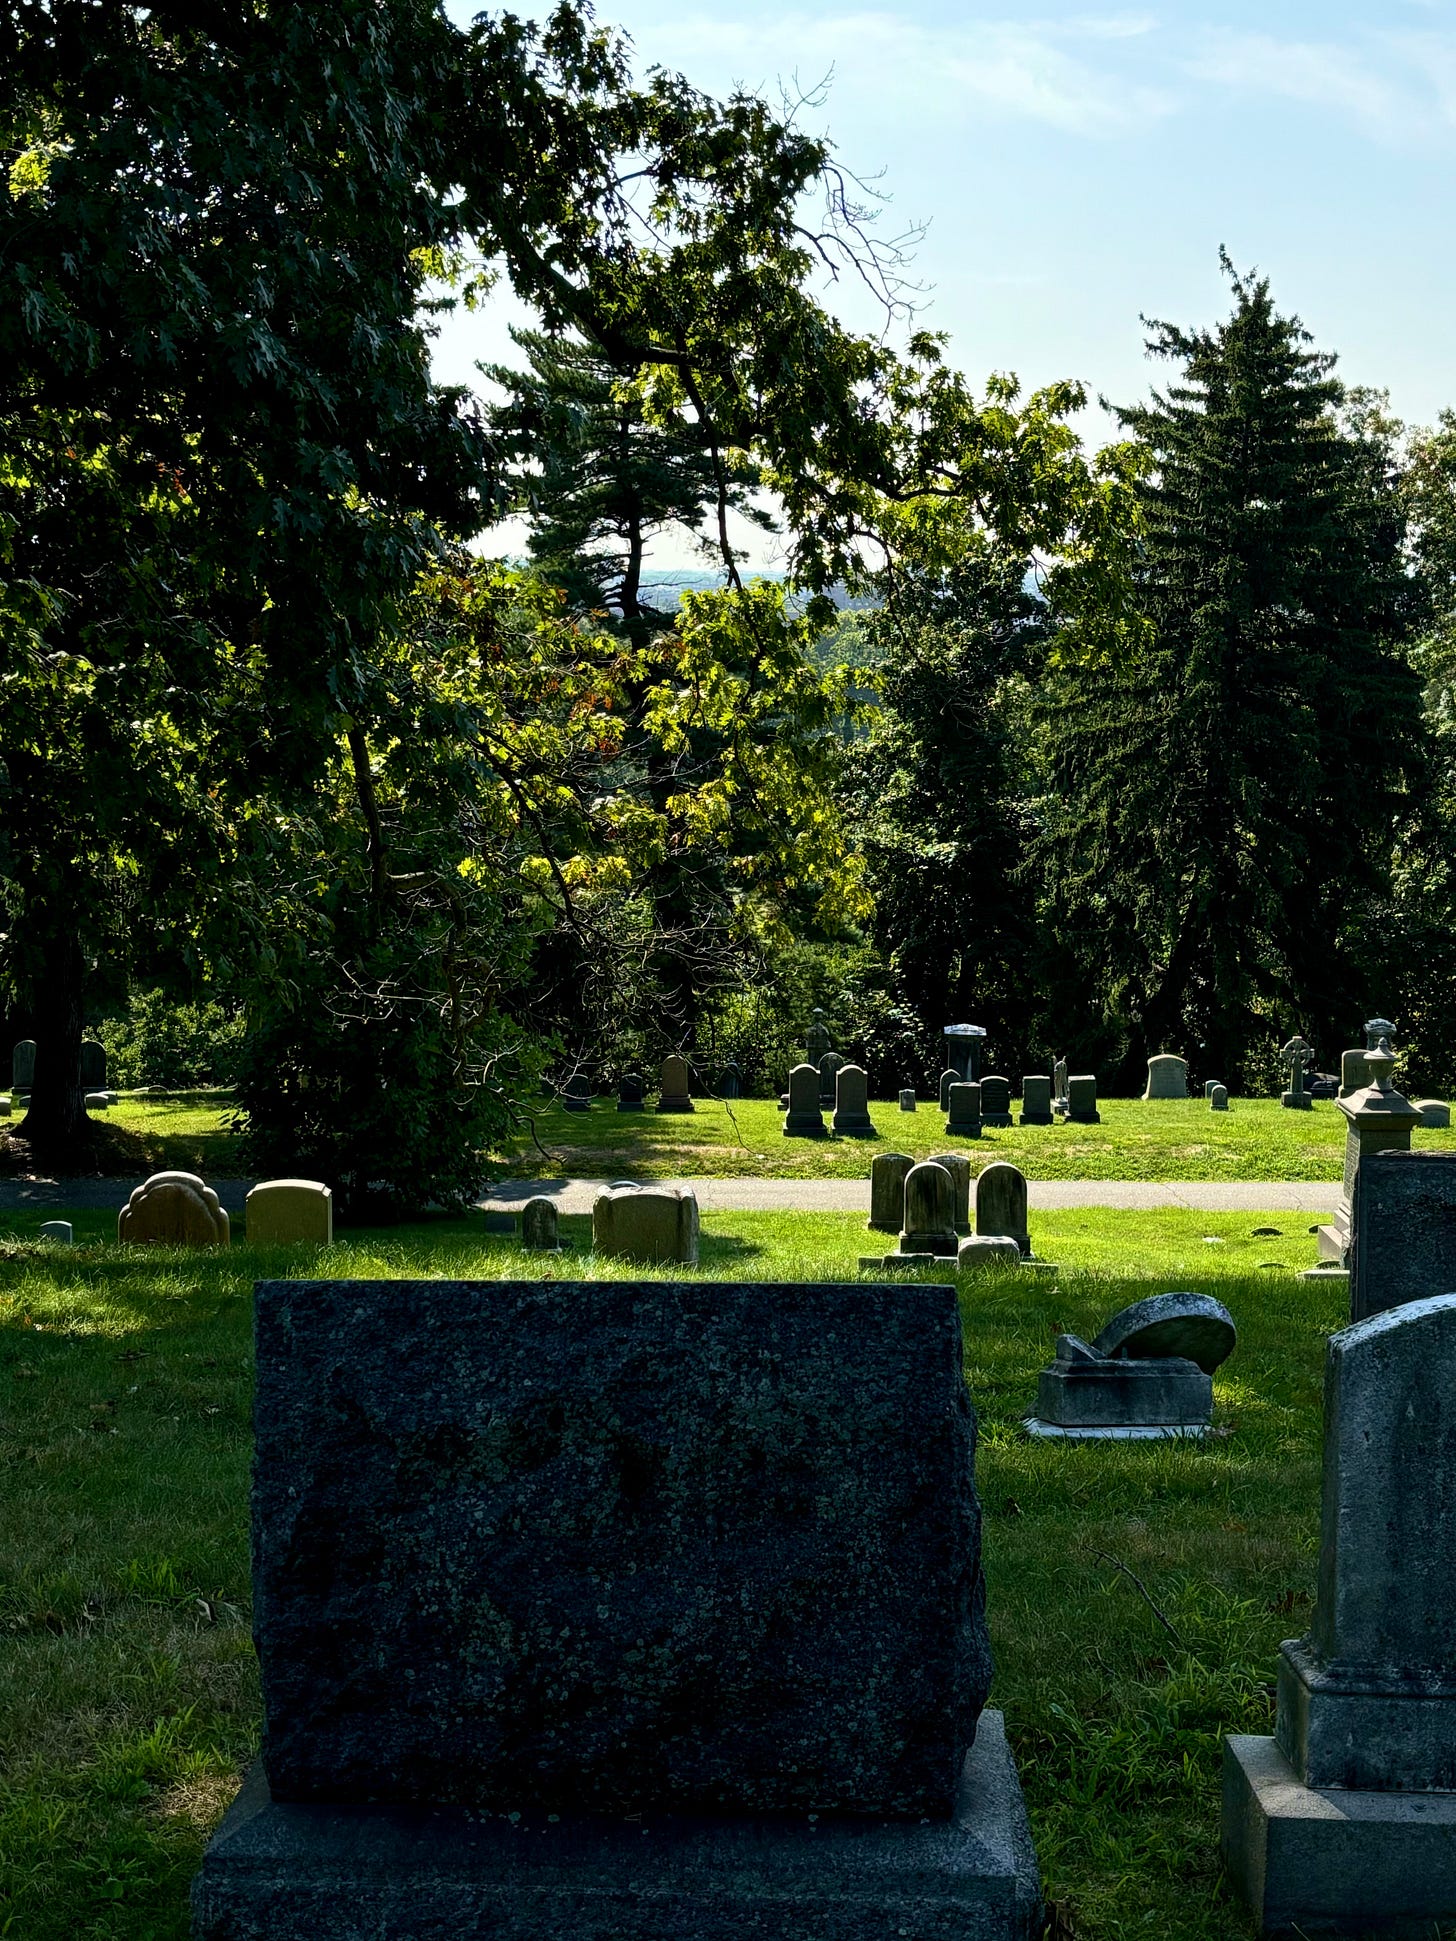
673, 1082
92, 1077
175, 1209
629, 1222
968, 1105
500, 1567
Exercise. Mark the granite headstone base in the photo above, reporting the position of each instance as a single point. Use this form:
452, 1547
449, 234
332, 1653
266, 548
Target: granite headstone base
1330, 1861
284, 1872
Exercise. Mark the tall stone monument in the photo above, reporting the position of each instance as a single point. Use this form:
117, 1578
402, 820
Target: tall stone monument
1298, 1058
963, 1046
1345, 1821
1378, 1119
564, 1631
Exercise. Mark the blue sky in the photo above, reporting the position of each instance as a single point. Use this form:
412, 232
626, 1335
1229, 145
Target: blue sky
1079, 166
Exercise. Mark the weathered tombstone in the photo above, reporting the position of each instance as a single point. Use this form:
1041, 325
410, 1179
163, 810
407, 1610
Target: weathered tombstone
963, 1044
1403, 1245
1167, 1077
1036, 1099
672, 1085
61, 1231
805, 1119
1059, 1085
987, 1250
963, 1114
1147, 1375
1218, 1098
1345, 1820
1001, 1204
646, 1223
852, 1104
1377, 1119
830, 1066
1082, 1100
959, 1168
22, 1066
817, 1039
632, 1092
1435, 1114
947, 1079
930, 1210
576, 1093
173, 1210
887, 1190
289, 1212
730, 1080
93, 1065
97, 1101
907, 1098
472, 1502
539, 1229
1298, 1057
996, 1101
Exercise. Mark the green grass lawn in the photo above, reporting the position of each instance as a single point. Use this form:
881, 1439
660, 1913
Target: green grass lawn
130, 1706
189, 1132
1161, 1139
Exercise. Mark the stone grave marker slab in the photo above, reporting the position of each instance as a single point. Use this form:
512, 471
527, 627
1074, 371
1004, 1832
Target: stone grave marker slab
633, 1222
287, 1212
173, 1210
1036, 1099
673, 1094
887, 1190
1404, 1230
852, 1104
996, 1101
805, 1118
1167, 1077
1195, 1327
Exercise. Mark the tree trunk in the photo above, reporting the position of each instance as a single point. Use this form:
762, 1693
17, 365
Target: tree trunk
56, 1119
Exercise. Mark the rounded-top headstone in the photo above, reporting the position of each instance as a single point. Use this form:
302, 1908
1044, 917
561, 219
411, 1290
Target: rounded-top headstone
1193, 1326
888, 1171
1167, 1077
1001, 1203
1218, 1098
174, 1209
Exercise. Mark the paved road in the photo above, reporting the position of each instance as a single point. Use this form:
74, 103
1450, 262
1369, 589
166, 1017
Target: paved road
765, 1195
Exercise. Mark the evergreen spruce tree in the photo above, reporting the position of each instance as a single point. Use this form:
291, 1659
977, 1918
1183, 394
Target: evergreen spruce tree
1224, 799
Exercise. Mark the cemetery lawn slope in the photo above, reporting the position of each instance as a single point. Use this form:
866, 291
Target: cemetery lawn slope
129, 1708
188, 1132
1162, 1139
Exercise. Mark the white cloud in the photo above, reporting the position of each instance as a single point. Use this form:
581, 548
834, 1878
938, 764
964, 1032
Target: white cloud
1400, 88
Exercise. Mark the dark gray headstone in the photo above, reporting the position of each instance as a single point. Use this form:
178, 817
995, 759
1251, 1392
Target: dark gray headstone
1404, 1246
93, 1065
1193, 1326
1036, 1099
887, 1190
1082, 1100
730, 1080
996, 1101
1001, 1203
830, 1066
616, 1545
959, 1168
805, 1118
576, 1094
1218, 1098
963, 1111
538, 1225
907, 1098
930, 1210
22, 1065
632, 1092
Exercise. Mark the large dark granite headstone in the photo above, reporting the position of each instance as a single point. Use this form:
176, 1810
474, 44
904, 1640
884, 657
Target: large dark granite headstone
1404, 1245
616, 1546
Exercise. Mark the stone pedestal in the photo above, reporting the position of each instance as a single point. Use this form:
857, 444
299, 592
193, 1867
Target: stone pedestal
1378, 1119
282, 1872
1345, 1822
963, 1044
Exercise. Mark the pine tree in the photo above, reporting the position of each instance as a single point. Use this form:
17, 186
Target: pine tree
1226, 796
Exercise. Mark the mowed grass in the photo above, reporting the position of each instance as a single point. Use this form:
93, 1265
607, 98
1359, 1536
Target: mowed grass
130, 1705
1172, 1139
189, 1132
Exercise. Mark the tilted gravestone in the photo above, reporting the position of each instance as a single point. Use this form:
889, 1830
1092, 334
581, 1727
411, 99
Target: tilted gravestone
646, 1223
539, 1228
672, 1085
1167, 1077
289, 1212
1345, 1820
93, 1065
1146, 1376
1001, 1204
22, 1066
540, 1569
1403, 1245
852, 1104
887, 1190
959, 1168
996, 1101
963, 1111
805, 1117
1082, 1100
173, 1210
930, 1210
1036, 1099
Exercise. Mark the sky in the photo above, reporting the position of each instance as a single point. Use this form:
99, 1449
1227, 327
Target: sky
1078, 168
